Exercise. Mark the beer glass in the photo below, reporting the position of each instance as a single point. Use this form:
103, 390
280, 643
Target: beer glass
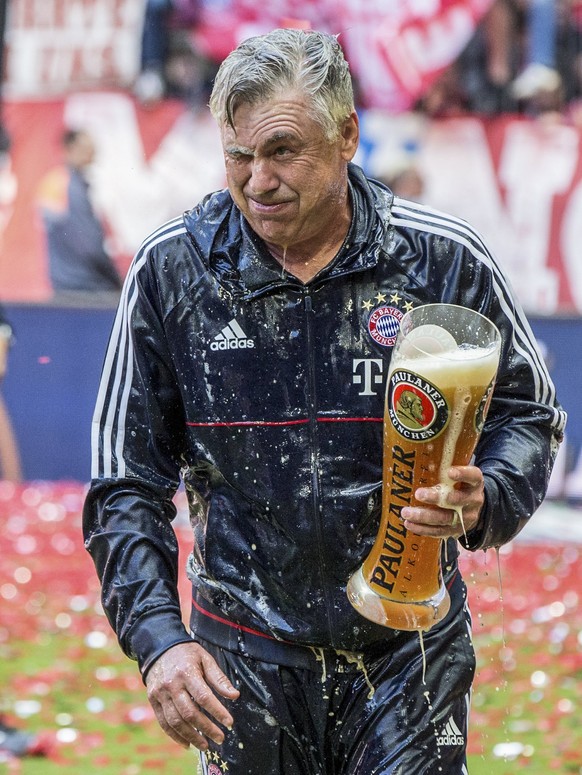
440, 382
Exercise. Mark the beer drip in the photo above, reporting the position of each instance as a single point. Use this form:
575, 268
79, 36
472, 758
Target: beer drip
459, 511
351, 657
497, 555
284, 262
423, 652
461, 402
320, 657
358, 660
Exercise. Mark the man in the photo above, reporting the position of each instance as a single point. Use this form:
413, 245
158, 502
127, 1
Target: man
78, 258
247, 357
5, 341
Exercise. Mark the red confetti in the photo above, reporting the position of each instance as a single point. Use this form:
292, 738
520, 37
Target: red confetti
527, 634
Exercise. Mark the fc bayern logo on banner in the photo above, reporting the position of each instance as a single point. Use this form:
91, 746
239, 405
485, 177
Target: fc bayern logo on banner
384, 325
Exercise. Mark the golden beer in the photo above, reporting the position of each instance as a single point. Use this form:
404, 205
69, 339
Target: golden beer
440, 381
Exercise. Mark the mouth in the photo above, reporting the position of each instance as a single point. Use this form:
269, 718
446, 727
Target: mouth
266, 208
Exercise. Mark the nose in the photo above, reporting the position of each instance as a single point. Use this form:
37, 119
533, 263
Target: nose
262, 178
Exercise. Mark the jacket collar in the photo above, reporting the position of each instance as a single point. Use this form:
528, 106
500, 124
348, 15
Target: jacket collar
244, 266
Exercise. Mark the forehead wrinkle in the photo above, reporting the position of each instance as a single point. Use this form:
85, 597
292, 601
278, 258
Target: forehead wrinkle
277, 137
280, 135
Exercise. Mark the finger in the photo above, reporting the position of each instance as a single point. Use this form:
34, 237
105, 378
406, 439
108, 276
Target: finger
433, 496
168, 719
433, 531
187, 722
427, 518
463, 497
216, 678
193, 713
453, 497
470, 475
202, 694
437, 523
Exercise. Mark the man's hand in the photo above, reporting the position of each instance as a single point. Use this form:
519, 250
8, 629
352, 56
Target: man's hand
440, 516
181, 688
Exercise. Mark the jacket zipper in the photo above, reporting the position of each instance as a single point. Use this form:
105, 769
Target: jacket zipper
314, 456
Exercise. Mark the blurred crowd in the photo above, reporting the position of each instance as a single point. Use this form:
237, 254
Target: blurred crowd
525, 58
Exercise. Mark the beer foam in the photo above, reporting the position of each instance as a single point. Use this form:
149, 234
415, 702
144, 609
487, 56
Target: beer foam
465, 365
429, 339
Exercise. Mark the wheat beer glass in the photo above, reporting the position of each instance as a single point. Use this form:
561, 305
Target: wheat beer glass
440, 381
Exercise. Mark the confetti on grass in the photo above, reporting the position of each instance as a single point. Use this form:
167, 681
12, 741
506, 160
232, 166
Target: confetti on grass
64, 678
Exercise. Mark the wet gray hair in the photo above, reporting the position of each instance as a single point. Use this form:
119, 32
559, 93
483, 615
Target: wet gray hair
286, 59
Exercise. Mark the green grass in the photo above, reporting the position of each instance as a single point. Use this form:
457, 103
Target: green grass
97, 692
57, 652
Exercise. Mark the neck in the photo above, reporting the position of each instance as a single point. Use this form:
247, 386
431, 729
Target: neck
304, 266
304, 261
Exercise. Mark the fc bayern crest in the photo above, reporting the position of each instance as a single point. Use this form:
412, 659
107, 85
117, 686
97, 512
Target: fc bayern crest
384, 325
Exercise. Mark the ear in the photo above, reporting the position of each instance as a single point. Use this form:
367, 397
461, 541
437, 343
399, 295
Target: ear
350, 136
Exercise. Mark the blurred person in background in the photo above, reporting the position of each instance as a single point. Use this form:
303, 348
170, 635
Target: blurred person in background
400, 171
150, 85
79, 262
539, 75
5, 342
549, 82
484, 70
170, 65
525, 57
9, 456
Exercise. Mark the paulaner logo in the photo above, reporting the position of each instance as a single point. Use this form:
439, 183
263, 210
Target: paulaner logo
417, 409
232, 337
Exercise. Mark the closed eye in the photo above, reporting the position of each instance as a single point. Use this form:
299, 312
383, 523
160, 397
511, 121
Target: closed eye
239, 157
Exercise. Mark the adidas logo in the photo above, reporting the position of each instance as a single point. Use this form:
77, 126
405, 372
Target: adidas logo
451, 734
232, 337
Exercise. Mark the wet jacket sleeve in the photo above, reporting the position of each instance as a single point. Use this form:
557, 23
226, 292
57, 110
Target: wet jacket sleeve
136, 437
524, 426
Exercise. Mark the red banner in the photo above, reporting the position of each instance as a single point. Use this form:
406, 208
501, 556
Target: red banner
396, 48
409, 50
57, 46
